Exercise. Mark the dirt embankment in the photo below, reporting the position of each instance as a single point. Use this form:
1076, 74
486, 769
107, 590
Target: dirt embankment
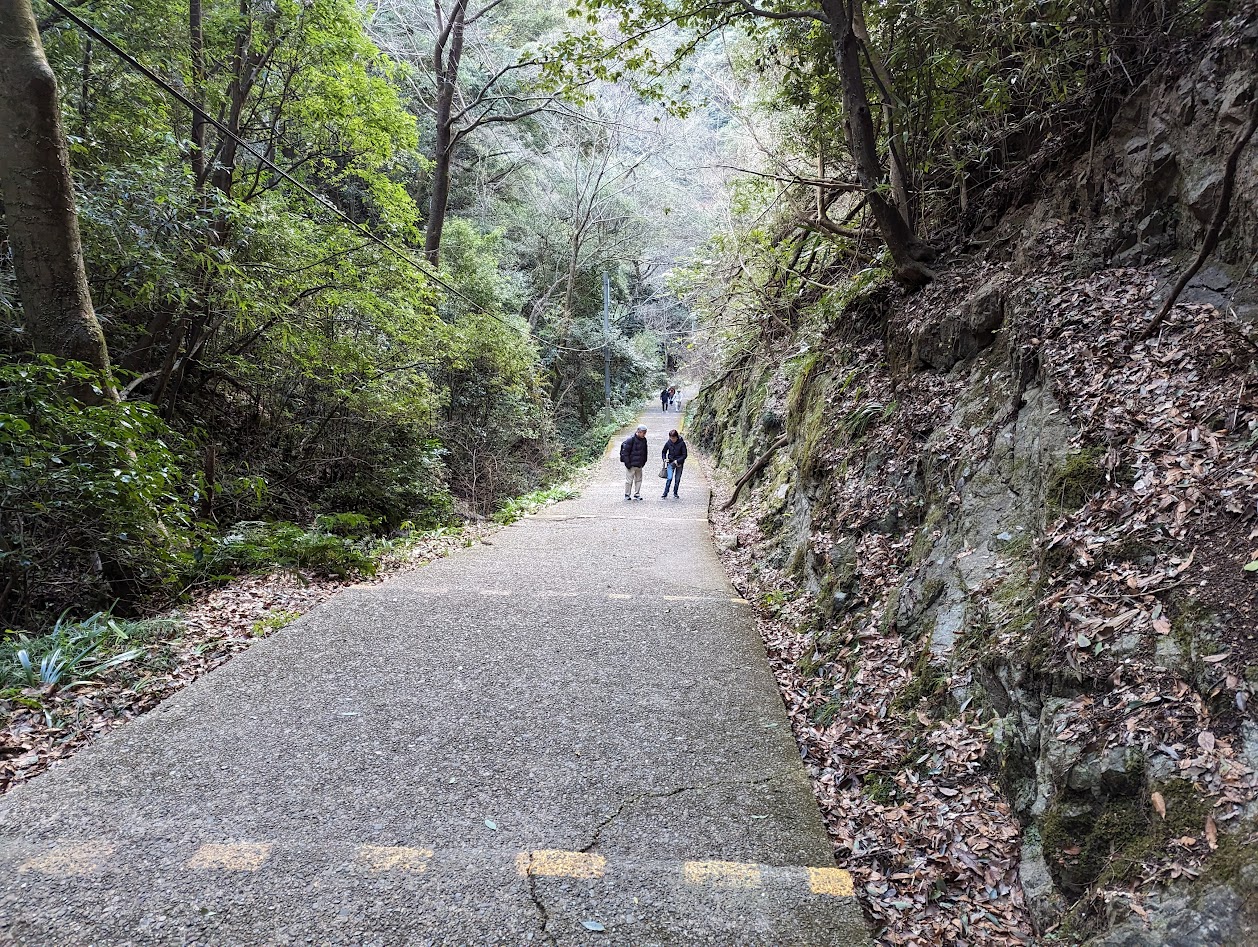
1008, 555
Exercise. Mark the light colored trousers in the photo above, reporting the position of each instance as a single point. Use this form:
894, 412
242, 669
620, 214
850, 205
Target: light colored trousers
633, 481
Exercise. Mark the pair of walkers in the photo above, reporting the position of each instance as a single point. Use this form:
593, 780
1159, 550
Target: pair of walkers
669, 397
634, 453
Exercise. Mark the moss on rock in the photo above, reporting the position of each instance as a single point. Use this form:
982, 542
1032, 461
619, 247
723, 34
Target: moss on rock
1079, 476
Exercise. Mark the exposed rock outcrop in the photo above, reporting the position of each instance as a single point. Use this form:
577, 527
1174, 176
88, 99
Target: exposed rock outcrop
1050, 522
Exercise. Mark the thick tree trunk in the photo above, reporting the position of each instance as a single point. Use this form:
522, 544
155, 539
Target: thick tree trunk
909, 254
38, 199
446, 69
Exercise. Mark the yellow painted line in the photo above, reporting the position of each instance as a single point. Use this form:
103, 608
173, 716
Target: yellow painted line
231, 856
618, 595
558, 863
705, 598
377, 858
70, 859
833, 881
721, 874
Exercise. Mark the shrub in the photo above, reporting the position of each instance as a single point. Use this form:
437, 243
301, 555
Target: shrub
258, 547
95, 496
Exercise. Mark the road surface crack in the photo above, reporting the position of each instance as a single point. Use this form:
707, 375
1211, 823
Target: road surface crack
543, 913
632, 801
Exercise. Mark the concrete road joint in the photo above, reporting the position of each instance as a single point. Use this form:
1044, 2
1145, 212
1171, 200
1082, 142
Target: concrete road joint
632, 801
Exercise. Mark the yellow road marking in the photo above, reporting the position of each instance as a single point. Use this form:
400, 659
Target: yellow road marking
70, 859
722, 874
740, 601
617, 595
833, 881
555, 862
393, 858
231, 856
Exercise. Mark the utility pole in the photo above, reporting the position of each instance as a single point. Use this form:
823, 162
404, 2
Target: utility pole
607, 340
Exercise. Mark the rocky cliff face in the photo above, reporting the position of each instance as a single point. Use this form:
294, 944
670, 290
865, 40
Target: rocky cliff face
1002, 516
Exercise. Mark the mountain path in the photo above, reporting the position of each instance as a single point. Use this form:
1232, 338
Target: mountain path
567, 735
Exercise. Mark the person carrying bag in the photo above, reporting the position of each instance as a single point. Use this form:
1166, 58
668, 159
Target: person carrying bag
674, 456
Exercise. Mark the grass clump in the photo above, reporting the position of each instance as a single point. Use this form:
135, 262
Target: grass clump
273, 621
519, 507
879, 788
862, 418
258, 547
76, 651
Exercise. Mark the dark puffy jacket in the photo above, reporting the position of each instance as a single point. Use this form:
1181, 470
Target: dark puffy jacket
676, 452
634, 452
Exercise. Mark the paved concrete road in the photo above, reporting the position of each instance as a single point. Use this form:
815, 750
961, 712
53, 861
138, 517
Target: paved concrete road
566, 736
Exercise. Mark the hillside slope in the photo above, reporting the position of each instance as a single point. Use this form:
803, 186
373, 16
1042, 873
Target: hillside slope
1006, 549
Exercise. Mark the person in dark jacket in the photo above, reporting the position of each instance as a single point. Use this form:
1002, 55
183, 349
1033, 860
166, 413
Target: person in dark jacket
633, 454
665, 397
674, 454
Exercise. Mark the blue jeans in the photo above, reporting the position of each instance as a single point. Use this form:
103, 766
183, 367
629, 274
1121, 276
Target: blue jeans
674, 479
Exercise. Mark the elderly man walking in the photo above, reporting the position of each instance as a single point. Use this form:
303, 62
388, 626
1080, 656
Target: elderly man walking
633, 454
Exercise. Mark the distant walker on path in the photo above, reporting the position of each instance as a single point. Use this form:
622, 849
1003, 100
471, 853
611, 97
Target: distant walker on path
674, 454
666, 396
633, 454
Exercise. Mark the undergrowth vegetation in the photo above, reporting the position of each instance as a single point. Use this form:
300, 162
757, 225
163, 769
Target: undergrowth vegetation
301, 382
75, 652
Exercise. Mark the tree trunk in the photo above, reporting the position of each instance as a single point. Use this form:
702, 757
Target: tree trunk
446, 69
244, 66
196, 42
38, 200
909, 254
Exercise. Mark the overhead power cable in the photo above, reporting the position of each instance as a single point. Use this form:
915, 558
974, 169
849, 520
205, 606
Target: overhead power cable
402, 255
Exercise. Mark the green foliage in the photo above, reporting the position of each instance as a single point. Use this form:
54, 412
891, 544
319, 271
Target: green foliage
586, 445
520, 507
258, 546
74, 652
95, 496
279, 368
1079, 476
273, 621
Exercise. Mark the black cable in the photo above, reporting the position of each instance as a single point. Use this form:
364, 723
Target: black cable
317, 198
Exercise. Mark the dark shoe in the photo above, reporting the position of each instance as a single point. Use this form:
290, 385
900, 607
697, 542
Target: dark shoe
638, 498
628, 497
